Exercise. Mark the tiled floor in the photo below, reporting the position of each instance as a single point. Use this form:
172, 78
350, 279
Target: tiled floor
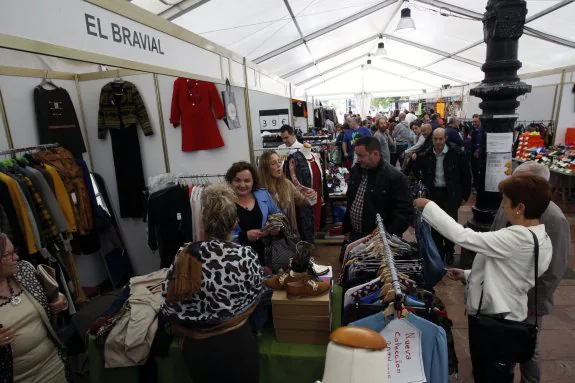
557, 336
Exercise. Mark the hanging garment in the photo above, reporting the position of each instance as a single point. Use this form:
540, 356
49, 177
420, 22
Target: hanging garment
57, 120
73, 180
169, 222
48, 197
433, 344
433, 267
63, 198
300, 172
192, 104
299, 108
121, 108
14, 225
24, 212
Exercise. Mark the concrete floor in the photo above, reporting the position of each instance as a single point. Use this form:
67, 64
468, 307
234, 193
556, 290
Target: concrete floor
557, 336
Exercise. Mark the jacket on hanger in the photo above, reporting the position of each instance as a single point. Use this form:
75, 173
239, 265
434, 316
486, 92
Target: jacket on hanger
192, 104
57, 120
130, 111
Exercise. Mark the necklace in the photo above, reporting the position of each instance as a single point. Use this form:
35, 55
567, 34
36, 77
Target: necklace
13, 298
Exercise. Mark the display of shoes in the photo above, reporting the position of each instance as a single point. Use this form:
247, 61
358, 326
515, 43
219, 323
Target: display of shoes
306, 288
280, 281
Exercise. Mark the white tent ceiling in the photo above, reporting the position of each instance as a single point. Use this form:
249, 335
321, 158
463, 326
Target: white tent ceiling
320, 45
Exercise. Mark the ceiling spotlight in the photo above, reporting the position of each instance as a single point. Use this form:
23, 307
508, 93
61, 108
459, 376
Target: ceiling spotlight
381, 52
369, 61
406, 23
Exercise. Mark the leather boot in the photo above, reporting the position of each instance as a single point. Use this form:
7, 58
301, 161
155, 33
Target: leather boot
306, 288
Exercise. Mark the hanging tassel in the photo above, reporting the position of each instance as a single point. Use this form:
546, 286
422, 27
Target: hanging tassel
187, 276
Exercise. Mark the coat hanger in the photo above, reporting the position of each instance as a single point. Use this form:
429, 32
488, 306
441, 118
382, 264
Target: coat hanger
47, 81
118, 79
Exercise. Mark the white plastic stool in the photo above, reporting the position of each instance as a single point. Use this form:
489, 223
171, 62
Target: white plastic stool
356, 355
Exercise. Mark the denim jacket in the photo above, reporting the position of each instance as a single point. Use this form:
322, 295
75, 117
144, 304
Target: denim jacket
266, 205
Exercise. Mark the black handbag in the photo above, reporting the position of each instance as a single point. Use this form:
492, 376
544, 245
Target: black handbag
495, 338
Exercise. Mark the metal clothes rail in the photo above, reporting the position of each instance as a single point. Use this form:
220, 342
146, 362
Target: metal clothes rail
30, 148
390, 264
200, 175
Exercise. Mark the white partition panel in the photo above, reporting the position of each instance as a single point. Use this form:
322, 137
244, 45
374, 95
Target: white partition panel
237, 74
566, 114
537, 105
215, 161
3, 139
264, 101
18, 94
134, 230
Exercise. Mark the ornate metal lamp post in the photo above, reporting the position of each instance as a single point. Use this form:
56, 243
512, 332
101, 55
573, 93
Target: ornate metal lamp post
503, 23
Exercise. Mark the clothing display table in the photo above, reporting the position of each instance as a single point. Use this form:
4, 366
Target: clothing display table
279, 362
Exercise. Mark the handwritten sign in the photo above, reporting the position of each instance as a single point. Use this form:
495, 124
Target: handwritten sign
405, 362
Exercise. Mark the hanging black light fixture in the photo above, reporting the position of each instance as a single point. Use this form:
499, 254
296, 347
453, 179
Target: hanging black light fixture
406, 23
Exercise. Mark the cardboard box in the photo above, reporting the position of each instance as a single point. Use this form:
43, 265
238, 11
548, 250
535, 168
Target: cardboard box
302, 337
321, 324
307, 307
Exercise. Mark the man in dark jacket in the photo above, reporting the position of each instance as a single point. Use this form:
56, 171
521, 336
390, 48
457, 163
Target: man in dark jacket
446, 174
452, 132
376, 187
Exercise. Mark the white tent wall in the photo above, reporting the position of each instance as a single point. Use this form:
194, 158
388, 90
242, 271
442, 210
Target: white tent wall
566, 117
215, 161
3, 137
134, 230
263, 101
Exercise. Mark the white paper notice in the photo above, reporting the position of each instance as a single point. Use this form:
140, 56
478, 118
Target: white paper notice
499, 142
405, 360
497, 168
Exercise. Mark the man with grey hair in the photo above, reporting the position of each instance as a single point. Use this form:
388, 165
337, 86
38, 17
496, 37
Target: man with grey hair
557, 227
401, 136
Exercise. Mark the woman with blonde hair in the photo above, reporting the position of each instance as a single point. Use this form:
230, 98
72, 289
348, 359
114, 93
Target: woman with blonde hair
209, 294
285, 194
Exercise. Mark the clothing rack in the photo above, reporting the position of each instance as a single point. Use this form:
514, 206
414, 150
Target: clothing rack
201, 175
30, 148
390, 264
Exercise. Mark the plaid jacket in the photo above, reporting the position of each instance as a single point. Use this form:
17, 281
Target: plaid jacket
131, 109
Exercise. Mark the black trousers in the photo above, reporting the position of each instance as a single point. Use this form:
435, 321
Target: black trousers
442, 198
490, 370
230, 357
400, 150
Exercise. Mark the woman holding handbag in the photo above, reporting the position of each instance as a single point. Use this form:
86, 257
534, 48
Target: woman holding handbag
285, 194
30, 350
506, 266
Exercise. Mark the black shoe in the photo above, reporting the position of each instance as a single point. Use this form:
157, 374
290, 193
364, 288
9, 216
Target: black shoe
449, 259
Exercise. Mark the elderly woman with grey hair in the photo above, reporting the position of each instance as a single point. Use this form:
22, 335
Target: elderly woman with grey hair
210, 292
558, 229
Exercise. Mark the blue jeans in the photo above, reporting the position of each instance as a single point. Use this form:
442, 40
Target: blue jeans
433, 266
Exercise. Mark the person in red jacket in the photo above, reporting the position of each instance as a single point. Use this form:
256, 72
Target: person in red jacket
192, 104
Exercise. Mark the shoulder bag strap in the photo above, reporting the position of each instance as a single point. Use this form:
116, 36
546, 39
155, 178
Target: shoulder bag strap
536, 241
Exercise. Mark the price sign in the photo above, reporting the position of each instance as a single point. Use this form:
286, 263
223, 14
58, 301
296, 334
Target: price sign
405, 362
272, 120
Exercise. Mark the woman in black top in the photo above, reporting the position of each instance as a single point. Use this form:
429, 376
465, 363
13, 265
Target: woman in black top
254, 206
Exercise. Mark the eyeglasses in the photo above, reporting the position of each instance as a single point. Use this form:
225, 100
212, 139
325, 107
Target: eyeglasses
11, 255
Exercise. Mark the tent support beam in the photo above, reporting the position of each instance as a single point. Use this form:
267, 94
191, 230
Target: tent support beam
390, 37
332, 77
403, 77
547, 11
290, 11
181, 9
330, 70
323, 31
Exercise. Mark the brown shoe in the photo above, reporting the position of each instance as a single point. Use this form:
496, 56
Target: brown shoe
306, 288
280, 281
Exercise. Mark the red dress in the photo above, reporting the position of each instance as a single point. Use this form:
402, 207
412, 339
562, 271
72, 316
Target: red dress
192, 103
